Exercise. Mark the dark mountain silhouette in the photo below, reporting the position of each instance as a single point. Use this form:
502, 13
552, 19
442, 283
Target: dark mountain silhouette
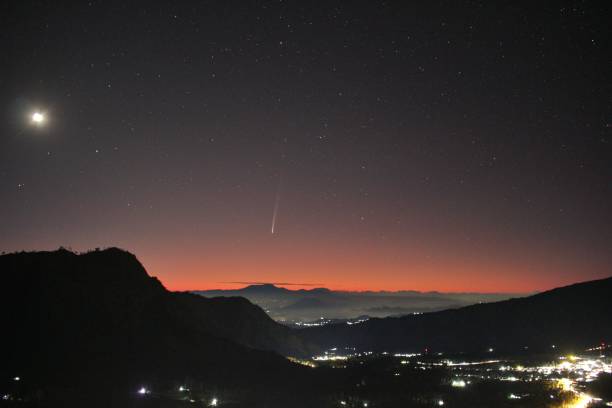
239, 320
263, 289
268, 289
315, 291
98, 321
570, 317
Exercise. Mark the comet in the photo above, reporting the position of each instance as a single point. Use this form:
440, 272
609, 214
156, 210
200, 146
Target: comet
275, 212
276, 203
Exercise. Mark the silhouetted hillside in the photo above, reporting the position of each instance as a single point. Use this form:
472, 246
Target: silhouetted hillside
97, 320
238, 319
569, 317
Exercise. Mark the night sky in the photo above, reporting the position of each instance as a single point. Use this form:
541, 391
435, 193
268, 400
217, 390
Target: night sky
454, 146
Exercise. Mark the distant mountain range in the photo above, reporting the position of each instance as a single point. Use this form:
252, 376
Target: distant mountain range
571, 317
321, 304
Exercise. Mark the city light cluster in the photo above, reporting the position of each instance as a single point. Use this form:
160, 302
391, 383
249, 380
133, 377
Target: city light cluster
349, 352
330, 358
459, 383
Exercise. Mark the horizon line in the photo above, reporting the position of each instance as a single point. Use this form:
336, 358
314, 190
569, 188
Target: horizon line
317, 285
273, 283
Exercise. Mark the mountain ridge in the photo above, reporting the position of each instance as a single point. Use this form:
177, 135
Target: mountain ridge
537, 321
99, 314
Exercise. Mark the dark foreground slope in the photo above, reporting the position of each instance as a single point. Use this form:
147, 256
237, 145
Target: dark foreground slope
570, 317
97, 323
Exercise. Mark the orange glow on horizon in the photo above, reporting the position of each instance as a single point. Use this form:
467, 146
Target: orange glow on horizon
359, 265
371, 275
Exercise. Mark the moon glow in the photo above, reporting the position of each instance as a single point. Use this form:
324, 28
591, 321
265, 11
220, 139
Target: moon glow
38, 118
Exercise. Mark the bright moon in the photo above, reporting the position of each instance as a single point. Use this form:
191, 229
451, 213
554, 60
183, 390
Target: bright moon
38, 118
